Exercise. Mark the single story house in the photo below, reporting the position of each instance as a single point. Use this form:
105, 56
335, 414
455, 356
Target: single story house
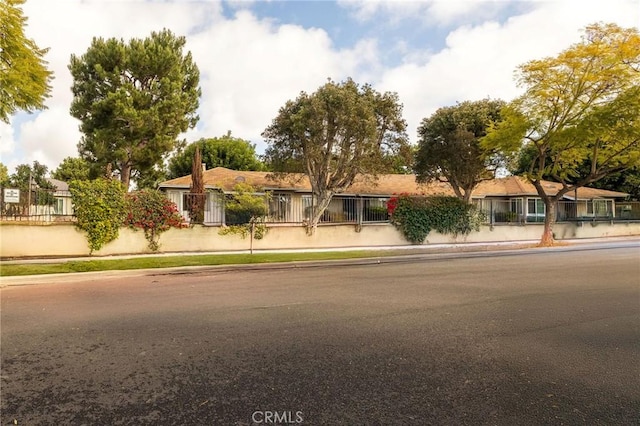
62, 205
510, 199
515, 199
57, 205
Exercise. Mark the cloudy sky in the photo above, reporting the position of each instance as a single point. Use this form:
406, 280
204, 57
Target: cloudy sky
255, 55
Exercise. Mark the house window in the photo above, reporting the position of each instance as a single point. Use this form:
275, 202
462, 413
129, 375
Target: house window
280, 207
375, 210
58, 206
307, 204
535, 207
516, 205
598, 208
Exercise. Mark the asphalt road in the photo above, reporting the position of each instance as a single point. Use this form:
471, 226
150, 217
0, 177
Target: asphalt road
545, 338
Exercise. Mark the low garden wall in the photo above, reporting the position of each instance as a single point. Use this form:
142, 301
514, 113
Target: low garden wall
54, 240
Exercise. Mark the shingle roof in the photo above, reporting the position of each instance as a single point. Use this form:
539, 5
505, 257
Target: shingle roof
59, 185
226, 179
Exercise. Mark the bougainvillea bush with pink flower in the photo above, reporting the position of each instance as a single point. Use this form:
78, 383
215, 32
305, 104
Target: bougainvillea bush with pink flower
151, 211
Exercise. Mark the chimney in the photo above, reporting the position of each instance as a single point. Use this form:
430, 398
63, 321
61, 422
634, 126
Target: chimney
204, 167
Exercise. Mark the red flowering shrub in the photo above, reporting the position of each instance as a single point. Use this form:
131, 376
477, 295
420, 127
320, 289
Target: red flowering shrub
151, 211
392, 203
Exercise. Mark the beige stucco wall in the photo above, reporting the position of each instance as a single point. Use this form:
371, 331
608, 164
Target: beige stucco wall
65, 240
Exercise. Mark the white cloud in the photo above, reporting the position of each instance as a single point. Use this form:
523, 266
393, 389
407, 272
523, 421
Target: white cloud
7, 143
480, 61
250, 68
50, 137
439, 12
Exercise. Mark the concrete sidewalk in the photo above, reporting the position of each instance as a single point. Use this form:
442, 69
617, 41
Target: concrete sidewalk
410, 253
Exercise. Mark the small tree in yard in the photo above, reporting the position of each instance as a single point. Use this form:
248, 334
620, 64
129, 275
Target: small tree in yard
579, 108
245, 212
151, 211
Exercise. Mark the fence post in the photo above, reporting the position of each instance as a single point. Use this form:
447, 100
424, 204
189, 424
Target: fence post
491, 218
29, 198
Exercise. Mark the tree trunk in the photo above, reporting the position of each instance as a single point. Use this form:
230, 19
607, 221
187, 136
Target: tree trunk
550, 206
467, 196
457, 190
125, 176
323, 202
547, 239
197, 196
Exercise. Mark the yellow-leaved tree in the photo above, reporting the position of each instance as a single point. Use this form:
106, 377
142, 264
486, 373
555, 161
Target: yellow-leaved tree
24, 77
578, 119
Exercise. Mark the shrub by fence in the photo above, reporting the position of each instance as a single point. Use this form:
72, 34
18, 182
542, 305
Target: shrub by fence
151, 211
415, 216
99, 208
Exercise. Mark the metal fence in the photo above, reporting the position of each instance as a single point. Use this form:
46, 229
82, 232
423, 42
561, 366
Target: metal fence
286, 208
627, 210
37, 205
514, 211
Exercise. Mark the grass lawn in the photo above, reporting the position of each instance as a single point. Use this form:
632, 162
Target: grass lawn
147, 262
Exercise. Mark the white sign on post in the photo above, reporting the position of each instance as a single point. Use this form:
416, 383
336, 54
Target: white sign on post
11, 195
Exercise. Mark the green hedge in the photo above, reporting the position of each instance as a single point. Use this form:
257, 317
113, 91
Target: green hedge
416, 216
99, 207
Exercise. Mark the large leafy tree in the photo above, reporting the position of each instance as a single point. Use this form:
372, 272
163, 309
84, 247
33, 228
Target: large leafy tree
133, 100
333, 135
627, 181
24, 77
449, 146
580, 107
72, 168
225, 151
